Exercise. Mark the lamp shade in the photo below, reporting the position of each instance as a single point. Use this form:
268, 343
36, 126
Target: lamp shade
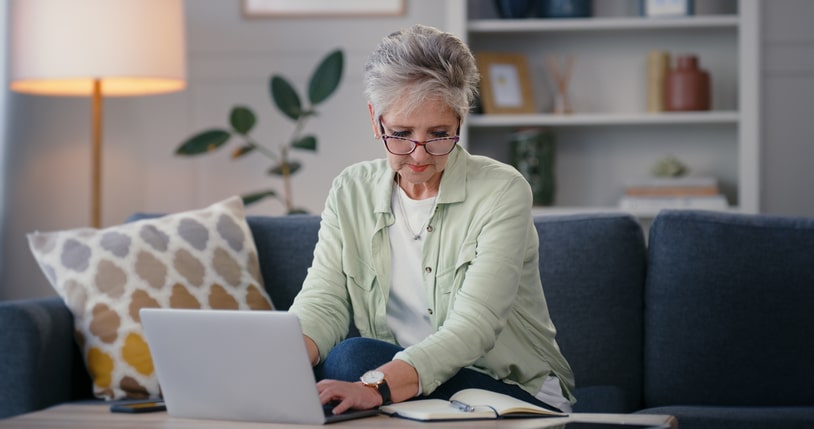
133, 47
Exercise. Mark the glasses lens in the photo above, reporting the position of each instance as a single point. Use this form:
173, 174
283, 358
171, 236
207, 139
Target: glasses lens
398, 146
401, 146
440, 146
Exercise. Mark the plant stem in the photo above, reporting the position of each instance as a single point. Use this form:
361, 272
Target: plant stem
264, 150
289, 204
286, 180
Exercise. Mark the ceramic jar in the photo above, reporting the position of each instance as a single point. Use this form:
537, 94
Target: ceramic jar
687, 86
513, 9
564, 8
532, 153
658, 64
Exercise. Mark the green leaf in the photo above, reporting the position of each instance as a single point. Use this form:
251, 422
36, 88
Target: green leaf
326, 77
293, 167
242, 119
204, 142
306, 143
285, 97
257, 196
243, 151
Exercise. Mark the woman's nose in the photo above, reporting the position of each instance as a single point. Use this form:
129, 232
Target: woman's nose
420, 153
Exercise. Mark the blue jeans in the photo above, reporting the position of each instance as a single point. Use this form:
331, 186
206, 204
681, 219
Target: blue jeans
355, 356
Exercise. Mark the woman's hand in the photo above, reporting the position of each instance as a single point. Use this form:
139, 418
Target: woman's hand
348, 395
402, 379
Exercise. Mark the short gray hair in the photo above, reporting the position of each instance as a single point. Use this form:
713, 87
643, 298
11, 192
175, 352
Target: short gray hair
421, 63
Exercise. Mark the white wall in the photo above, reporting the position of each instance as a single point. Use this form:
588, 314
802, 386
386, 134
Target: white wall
788, 106
230, 59
3, 91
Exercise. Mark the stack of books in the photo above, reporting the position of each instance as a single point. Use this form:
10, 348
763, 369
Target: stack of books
674, 193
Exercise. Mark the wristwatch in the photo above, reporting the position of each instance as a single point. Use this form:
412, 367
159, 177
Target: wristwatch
375, 379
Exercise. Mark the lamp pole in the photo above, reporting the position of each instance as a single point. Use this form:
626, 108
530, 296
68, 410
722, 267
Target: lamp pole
96, 155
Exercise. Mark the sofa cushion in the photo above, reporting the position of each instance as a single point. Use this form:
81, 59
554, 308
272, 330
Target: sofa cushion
36, 354
286, 244
197, 259
728, 310
592, 268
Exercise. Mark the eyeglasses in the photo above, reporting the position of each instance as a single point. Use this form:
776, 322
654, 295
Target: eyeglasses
404, 146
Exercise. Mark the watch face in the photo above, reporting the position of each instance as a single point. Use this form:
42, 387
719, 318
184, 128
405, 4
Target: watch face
372, 377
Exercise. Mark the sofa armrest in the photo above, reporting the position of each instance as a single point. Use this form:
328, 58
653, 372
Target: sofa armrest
38, 355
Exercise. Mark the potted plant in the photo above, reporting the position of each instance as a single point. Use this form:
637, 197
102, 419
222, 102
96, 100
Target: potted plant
323, 82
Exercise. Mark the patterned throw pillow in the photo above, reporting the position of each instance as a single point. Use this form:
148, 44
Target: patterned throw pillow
197, 259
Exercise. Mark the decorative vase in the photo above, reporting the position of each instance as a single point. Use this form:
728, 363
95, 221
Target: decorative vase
564, 8
687, 86
532, 154
658, 63
513, 9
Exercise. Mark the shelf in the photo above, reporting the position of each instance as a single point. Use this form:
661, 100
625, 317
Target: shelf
604, 119
640, 214
590, 177
485, 26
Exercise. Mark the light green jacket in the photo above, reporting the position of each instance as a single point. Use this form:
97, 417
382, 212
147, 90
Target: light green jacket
481, 274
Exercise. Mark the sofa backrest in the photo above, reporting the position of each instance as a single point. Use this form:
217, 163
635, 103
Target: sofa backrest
593, 270
285, 245
728, 310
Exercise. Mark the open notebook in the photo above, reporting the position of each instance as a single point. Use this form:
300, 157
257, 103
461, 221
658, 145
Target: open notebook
468, 404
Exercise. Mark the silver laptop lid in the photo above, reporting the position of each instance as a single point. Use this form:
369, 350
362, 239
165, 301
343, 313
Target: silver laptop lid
232, 365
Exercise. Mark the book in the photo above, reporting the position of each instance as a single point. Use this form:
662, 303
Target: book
674, 186
678, 181
468, 404
669, 191
700, 202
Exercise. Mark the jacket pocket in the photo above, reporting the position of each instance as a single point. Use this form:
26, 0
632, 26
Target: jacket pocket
360, 276
360, 282
451, 276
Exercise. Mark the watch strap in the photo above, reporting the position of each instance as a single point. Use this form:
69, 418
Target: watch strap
384, 390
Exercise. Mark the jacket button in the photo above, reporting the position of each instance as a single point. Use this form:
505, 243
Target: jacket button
427, 270
429, 310
429, 228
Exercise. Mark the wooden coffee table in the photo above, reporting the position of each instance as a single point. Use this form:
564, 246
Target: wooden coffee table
98, 416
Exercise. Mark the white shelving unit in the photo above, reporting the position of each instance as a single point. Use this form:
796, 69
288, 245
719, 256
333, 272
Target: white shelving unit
611, 140
589, 119
598, 24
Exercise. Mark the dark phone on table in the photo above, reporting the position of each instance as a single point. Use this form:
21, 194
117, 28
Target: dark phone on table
138, 407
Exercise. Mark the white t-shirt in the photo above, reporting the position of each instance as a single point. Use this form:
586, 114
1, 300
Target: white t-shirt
407, 309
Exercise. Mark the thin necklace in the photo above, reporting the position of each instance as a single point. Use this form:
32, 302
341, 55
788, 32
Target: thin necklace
416, 236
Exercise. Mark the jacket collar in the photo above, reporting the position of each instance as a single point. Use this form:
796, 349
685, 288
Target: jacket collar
453, 182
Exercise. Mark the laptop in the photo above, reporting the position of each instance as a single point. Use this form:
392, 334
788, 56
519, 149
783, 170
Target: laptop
235, 365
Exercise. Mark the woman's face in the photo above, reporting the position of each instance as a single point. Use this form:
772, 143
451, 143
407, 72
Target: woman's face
432, 120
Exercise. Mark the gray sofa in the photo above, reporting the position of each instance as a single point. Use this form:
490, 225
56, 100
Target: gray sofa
711, 320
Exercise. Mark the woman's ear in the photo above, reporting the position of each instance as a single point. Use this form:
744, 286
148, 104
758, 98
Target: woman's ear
373, 122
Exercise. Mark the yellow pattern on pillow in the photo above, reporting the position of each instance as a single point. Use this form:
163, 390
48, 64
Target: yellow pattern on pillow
197, 259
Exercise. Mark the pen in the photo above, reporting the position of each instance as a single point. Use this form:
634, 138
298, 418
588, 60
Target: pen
462, 406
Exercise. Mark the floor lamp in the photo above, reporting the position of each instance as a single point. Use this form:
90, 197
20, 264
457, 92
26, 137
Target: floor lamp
97, 48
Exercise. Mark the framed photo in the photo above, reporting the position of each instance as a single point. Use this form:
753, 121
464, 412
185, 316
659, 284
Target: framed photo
505, 84
317, 8
666, 8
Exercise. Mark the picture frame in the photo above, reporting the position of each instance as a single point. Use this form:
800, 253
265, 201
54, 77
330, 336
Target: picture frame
505, 84
321, 8
666, 8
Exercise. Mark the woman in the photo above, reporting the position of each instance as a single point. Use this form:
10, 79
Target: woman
431, 253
